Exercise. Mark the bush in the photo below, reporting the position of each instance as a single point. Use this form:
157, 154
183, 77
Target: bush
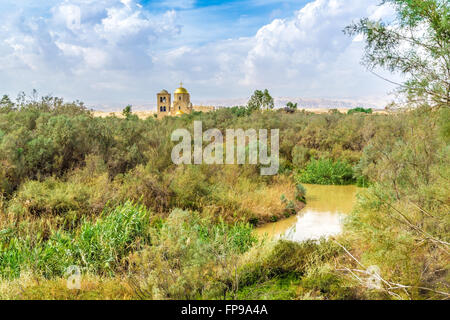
300, 156
327, 172
360, 110
53, 199
283, 263
326, 283
147, 188
189, 185
198, 254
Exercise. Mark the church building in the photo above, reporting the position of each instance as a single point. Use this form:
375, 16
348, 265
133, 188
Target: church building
181, 103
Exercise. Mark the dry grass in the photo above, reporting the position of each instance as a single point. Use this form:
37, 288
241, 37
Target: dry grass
28, 287
265, 203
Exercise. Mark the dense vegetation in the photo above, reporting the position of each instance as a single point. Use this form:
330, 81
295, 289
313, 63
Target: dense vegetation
68, 179
103, 194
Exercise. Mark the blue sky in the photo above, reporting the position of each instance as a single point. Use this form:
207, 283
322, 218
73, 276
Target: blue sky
226, 19
110, 53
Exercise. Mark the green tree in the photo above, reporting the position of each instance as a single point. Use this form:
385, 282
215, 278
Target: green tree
360, 110
127, 112
6, 105
416, 44
261, 100
291, 105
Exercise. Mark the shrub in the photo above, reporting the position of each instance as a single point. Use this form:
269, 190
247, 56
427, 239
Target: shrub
190, 257
325, 171
51, 197
360, 110
300, 156
283, 260
147, 188
189, 185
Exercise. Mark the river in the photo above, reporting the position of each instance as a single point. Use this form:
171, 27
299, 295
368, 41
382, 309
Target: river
322, 216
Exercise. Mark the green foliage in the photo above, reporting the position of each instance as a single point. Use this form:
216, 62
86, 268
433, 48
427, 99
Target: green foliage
326, 171
285, 288
300, 193
190, 185
127, 112
406, 205
287, 270
6, 105
51, 138
291, 105
328, 284
51, 197
240, 111
300, 156
360, 110
198, 254
98, 246
63, 174
415, 44
260, 100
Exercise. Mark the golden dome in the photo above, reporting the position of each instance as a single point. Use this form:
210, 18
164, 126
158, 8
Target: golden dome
179, 113
181, 89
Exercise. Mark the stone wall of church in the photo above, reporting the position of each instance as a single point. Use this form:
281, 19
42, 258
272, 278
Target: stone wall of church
182, 102
204, 108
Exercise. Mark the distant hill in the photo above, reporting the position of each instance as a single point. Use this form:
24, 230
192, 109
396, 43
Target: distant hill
280, 102
303, 103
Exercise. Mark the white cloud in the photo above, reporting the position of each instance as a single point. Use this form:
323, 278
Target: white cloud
70, 15
311, 43
306, 55
122, 23
116, 52
93, 58
82, 34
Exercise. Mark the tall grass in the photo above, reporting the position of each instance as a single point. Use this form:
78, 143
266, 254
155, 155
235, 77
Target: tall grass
96, 247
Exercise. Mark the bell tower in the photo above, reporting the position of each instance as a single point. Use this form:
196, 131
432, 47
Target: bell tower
163, 104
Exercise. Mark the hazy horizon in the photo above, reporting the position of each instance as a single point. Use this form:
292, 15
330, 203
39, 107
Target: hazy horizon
303, 103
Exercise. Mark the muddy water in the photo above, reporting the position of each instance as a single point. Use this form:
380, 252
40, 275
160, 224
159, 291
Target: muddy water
322, 216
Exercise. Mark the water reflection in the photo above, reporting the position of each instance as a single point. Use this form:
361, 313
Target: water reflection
322, 217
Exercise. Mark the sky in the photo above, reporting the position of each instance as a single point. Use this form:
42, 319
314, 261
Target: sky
111, 53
